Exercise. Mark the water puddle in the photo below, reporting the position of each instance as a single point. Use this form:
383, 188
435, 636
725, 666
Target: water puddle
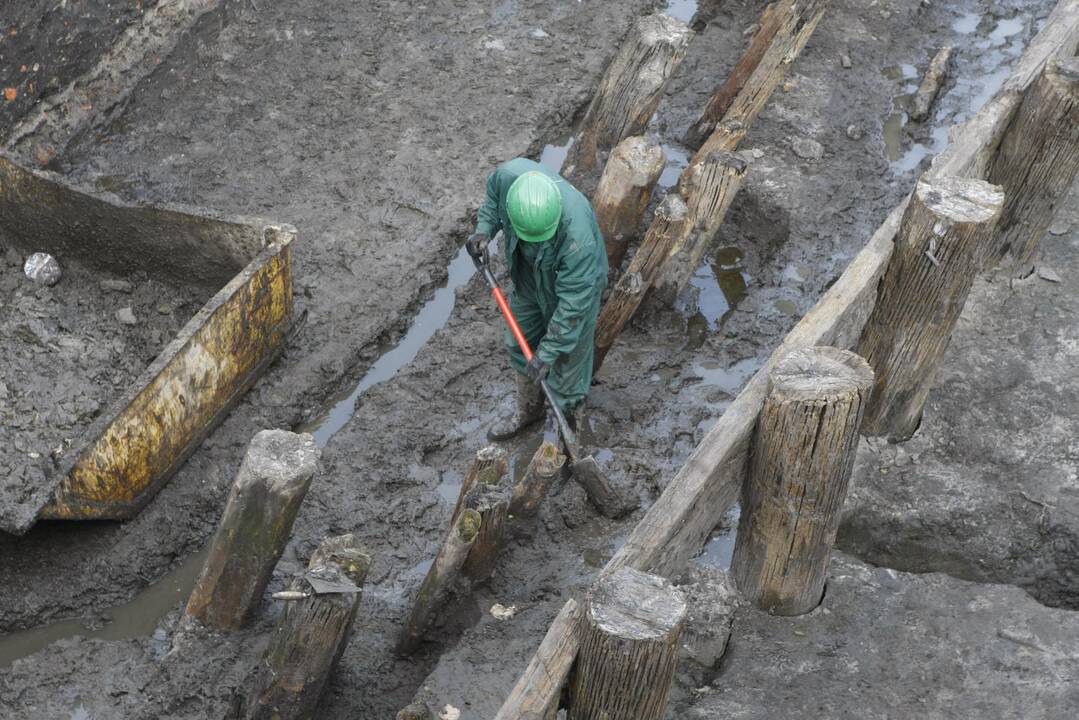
683, 10
554, 155
719, 550
967, 23
677, 160
430, 319
136, 619
718, 286
730, 378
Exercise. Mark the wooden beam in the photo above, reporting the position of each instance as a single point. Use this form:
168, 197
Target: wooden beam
931, 85
802, 457
624, 192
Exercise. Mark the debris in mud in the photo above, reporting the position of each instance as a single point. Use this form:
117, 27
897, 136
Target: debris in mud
43, 268
126, 316
807, 149
501, 612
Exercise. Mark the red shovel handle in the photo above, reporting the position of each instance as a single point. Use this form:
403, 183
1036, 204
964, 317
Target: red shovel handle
504, 306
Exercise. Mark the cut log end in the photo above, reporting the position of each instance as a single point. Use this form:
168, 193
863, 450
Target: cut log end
820, 373
346, 553
282, 458
633, 605
468, 525
637, 159
960, 200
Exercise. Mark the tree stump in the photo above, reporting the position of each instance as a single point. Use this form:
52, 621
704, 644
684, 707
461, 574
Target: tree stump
629, 648
628, 94
439, 579
931, 84
254, 528
545, 466
1036, 163
938, 251
624, 192
492, 503
785, 28
708, 188
489, 468
626, 296
310, 636
801, 459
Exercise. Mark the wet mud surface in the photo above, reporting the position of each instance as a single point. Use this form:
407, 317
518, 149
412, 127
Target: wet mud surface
68, 351
372, 128
46, 44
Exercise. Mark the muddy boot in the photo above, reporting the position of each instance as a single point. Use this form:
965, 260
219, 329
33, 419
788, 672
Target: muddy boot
528, 410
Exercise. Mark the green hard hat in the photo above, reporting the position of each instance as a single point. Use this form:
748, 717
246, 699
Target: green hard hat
534, 206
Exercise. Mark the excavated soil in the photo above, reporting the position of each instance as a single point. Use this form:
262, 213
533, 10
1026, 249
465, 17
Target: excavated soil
371, 127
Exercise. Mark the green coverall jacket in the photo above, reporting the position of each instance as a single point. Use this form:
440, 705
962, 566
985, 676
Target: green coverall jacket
557, 284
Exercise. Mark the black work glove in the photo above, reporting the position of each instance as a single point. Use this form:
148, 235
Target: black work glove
537, 369
477, 245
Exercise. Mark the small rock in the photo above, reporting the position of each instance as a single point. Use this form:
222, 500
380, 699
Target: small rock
12, 257
449, 713
501, 612
757, 153
126, 316
844, 59
164, 309
789, 84
494, 45
808, 149
120, 286
1047, 273
855, 133
1058, 228
42, 268
539, 34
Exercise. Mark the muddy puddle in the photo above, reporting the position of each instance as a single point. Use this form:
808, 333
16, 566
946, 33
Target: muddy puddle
977, 71
135, 619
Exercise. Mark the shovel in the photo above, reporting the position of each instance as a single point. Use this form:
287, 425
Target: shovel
585, 468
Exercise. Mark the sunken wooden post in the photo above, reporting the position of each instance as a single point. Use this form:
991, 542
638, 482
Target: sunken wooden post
544, 468
492, 504
624, 191
629, 647
801, 460
931, 84
938, 252
311, 634
489, 467
708, 188
440, 578
254, 528
1036, 163
785, 28
628, 94
626, 296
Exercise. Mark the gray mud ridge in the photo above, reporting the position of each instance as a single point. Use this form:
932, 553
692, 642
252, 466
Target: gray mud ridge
886, 644
987, 489
67, 354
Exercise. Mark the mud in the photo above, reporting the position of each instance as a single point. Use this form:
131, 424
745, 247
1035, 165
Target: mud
371, 127
45, 44
67, 354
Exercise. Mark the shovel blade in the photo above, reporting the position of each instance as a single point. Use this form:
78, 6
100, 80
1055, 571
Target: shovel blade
600, 490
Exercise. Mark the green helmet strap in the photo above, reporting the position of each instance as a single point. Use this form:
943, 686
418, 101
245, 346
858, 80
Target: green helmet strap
534, 205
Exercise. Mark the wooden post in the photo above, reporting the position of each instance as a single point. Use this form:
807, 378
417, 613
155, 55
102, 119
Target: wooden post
802, 456
310, 636
785, 28
440, 577
489, 467
666, 231
708, 188
254, 527
1037, 163
931, 84
629, 92
629, 647
624, 192
545, 466
492, 503
938, 251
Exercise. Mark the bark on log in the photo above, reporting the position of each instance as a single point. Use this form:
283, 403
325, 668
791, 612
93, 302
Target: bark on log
1036, 164
666, 231
803, 453
628, 94
492, 503
254, 528
708, 189
531, 489
536, 694
931, 84
629, 647
624, 192
310, 636
439, 579
938, 252
489, 468
785, 28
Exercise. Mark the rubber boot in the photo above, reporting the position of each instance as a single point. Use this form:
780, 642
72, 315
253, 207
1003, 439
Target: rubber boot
528, 410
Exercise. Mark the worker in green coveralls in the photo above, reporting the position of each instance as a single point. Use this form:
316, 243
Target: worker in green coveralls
558, 264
